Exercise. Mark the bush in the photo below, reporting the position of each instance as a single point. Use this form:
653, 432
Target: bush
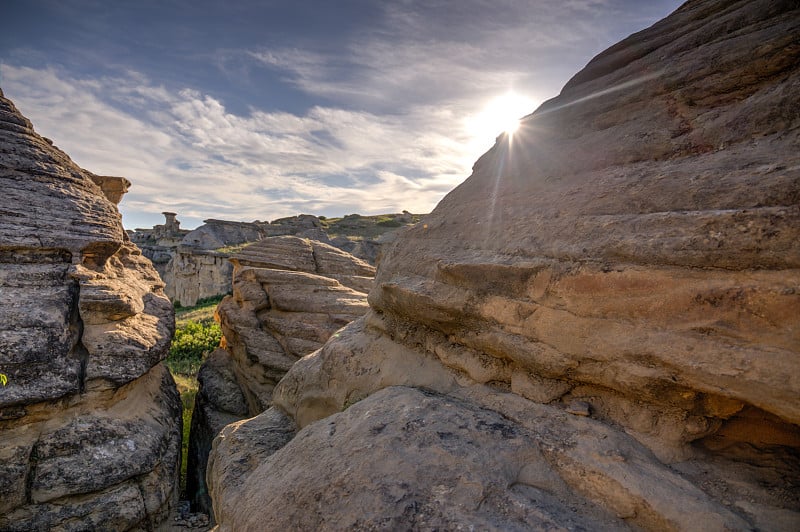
194, 339
389, 223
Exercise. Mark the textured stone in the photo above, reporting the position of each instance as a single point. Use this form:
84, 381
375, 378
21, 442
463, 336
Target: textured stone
289, 296
89, 419
219, 402
193, 274
194, 263
408, 459
632, 253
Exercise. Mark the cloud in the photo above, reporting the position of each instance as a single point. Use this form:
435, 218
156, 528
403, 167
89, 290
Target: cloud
184, 151
393, 127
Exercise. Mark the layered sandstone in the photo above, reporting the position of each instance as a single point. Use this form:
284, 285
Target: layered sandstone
89, 419
290, 295
597, 329
194, 264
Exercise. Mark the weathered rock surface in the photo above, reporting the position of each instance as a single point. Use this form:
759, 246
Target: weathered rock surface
597, 329
289, 296
193, 274
159, 242
194, 264
89, 419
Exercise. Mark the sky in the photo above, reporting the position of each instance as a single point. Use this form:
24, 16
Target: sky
259, 109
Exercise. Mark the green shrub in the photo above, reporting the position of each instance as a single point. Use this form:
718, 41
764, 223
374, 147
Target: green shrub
390, 223
193, 339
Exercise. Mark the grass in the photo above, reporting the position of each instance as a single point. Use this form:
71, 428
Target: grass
236, 248
187, 387
365, 226
196, 334
203, 309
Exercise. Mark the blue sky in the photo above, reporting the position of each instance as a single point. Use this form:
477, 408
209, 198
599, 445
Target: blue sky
247, 110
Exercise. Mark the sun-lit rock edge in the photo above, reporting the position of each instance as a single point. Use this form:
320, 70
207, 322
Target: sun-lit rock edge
290, 294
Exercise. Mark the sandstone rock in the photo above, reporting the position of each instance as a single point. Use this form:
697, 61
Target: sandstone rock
219, 402
289, 296
113, 187
194, 265
194, 274
408, 459
632, 255
89, 419
214, 234
159, 243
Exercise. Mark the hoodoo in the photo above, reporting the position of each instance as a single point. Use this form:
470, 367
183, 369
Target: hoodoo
89, 418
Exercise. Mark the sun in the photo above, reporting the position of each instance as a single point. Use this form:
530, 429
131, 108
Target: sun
500, 115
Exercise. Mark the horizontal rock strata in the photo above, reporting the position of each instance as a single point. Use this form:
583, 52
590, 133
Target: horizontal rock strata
289, 296
89, 419
598, 326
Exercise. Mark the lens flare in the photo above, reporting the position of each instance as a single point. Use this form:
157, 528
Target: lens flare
500, 115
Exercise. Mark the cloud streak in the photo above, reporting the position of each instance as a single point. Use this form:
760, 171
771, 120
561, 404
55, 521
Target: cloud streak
184, 151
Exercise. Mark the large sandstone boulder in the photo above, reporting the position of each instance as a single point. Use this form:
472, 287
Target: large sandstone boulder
89, 419
289, 296
597, 329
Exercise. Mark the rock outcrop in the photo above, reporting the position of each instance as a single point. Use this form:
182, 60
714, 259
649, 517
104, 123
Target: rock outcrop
159, 242
598, 329
89, 418
289, 296
194, 264
193, 274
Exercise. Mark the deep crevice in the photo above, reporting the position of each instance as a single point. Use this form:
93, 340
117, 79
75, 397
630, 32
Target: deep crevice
78, 350
32, 461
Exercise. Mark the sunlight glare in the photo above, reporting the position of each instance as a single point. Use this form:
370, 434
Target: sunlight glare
500, 115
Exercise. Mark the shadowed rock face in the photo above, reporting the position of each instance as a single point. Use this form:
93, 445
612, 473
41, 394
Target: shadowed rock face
289, 296
618, 282
89, 420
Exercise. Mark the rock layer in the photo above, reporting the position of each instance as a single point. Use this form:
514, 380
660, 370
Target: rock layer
194, 264
289, 296
89, 419
618, 283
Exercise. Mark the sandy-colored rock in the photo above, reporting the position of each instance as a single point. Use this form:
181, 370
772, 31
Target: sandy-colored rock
617, 282
404, 458
193, 274
113, 187
194, 263
289, 296
89, 418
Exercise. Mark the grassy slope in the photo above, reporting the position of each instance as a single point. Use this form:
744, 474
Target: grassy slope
364, 226
184, 371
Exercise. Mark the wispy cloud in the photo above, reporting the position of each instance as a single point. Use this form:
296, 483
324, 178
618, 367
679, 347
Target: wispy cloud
184, 151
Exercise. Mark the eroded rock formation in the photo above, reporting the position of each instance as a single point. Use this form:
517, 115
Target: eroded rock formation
598, 329
194, 264
159, 242
289, 296
89, 418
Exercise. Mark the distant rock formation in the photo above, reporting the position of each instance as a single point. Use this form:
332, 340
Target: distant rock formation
289, 296
159, 242
194, 264
89, 419
597, 330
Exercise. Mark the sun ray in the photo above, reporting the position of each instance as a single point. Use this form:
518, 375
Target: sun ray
500, 115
